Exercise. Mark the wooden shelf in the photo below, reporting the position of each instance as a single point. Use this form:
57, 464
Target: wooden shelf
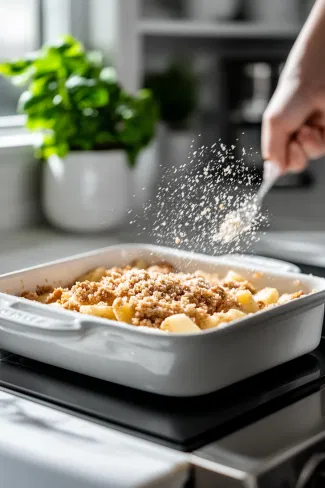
215, 30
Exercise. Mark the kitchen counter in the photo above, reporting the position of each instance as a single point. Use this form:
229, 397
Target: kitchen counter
298, 246
45, 447
29, 247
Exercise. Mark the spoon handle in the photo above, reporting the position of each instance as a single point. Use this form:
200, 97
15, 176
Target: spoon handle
272, 172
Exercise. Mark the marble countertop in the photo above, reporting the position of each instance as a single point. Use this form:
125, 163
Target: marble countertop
42, 446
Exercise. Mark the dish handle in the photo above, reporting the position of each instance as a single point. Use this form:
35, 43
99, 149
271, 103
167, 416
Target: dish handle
20, 318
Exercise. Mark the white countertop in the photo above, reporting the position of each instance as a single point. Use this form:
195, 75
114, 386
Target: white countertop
44, 447
29, 247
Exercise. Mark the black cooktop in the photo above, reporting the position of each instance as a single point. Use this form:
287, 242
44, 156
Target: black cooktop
185, 424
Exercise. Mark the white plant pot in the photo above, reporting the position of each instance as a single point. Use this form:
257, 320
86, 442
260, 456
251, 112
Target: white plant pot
87, 191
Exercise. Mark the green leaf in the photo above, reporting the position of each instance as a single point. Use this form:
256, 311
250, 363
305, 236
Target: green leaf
60, 122
62, 149
15, 68
50, 146
74, 83
25, 78
87, 93
138, 117
108, 75
144, 95
76, 65
39, 123
49, 61
44, 83
68, 46
103, 138
34, 104
59, 149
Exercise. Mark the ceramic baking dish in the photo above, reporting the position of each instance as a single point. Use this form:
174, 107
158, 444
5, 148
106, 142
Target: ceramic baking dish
151, 360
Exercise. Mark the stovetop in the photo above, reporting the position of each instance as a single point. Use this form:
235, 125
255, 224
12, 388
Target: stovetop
185, 424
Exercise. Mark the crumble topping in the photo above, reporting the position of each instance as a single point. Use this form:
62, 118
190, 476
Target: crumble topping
149, 295
154, 295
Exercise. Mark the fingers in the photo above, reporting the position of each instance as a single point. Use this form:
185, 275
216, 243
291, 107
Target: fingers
308, 144
275, 141
297, 159
293, 128
311, 139
286, 113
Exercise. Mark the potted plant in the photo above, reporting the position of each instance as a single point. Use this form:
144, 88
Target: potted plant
92, 133
175, 91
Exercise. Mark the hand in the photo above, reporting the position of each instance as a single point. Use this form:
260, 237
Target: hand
293, 128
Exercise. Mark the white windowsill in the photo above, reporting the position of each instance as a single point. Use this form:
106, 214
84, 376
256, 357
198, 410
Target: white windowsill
16, 140
12, 122
14, 134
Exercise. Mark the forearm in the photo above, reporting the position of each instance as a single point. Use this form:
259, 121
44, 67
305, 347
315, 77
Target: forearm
306, 61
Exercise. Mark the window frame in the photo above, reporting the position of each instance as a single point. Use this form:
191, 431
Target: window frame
55, 17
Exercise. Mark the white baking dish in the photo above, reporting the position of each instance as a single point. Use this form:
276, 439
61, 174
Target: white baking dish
151, 360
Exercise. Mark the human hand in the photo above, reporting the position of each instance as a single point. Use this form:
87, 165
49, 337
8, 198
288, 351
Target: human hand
293, 128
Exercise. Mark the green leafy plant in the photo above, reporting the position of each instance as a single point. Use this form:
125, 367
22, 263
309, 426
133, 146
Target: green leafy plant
77, 104
176, 93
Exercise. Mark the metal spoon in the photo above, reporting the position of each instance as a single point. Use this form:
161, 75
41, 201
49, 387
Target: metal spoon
271, 173
240, 220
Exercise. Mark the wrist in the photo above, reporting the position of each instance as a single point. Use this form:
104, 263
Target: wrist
303, 84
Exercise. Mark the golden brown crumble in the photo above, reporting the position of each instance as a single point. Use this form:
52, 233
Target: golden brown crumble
153, 295
147, 296
239, 285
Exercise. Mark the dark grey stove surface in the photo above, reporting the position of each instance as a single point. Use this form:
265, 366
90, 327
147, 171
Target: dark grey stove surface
184, 424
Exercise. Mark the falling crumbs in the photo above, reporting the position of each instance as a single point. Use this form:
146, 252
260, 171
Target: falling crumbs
204, 204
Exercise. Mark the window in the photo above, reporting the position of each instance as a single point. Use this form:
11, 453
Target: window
26, 24
20, 32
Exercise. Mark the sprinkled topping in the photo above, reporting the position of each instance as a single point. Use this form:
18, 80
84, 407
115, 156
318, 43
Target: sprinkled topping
200, 204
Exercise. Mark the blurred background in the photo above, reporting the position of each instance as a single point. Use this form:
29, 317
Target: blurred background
211, 64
